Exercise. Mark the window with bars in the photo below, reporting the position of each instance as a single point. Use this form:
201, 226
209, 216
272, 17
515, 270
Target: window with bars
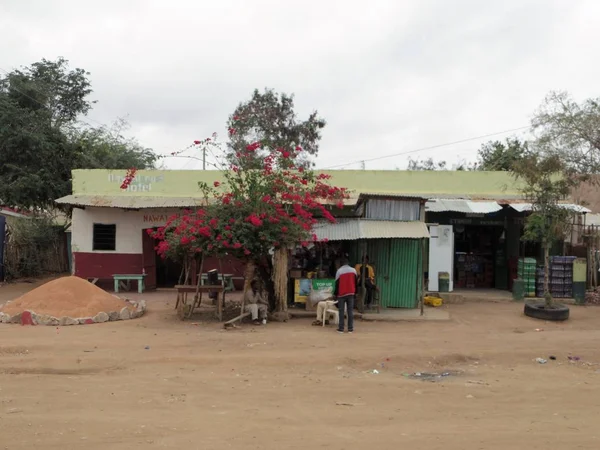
104, 237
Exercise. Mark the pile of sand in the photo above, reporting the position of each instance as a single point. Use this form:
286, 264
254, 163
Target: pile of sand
67, 297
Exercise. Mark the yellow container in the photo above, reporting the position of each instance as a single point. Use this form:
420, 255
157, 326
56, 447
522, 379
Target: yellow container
432, 301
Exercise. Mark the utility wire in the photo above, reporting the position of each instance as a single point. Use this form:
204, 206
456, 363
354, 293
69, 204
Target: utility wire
422, 149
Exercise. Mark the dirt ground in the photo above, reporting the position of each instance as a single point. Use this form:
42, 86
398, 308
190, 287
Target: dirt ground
156, 382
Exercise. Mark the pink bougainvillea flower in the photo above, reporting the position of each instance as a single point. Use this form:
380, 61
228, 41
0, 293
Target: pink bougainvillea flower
216, 184
237, 245
285, 154
247, 252
284, 229
196, 142
253, 147
214, 222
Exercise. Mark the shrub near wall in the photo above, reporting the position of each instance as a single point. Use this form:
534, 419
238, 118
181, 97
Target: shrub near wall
34, 247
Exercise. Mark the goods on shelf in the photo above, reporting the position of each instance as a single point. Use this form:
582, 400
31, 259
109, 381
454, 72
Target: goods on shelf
474, 271
527, 273
560, 282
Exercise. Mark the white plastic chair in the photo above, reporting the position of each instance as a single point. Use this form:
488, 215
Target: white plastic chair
331, 311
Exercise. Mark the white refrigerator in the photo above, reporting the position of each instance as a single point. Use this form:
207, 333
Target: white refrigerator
441, 255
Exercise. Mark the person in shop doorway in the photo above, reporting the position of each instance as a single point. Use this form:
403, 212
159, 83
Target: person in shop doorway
366, 270
345, 293
256, 304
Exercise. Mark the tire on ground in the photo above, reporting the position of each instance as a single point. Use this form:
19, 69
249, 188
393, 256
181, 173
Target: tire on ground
538, 310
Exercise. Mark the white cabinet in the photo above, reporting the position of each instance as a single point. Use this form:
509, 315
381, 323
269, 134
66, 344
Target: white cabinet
441, 255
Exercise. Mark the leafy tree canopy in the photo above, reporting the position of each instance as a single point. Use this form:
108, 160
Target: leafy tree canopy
41, 140
570, 130
270, 119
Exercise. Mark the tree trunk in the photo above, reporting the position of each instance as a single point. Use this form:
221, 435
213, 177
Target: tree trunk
265, 270
280, 279
547, 295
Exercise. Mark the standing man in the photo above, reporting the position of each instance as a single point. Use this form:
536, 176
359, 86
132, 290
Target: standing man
345, 291
366, 270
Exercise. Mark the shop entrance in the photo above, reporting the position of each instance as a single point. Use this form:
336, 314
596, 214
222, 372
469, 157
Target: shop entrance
162, 273
480, 257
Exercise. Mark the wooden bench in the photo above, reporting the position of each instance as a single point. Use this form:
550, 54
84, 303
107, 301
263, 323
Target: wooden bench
228, 280
126, 279
185, 309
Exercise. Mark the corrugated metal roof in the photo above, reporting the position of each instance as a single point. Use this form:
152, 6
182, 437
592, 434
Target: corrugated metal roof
352, 229
462, 206
522, 207
130, 201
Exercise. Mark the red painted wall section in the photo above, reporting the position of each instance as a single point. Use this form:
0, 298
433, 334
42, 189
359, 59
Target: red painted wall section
105, 265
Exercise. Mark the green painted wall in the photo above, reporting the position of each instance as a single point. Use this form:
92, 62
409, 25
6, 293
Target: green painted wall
184, 183
398, 272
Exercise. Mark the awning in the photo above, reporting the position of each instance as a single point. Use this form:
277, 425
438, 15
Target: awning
522, 207
353, 229
462, 206
131, 201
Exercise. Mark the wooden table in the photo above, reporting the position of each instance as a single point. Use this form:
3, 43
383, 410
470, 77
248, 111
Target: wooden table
185, 309
120, 278
229, 286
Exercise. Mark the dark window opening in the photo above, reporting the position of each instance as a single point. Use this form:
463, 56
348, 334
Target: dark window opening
104, 237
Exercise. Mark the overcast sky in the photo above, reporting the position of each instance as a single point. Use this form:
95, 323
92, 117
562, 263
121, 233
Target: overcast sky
388, 76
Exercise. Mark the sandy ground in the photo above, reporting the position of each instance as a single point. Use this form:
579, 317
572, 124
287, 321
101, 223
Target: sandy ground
156, 382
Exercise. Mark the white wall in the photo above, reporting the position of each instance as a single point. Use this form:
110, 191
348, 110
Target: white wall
129, 227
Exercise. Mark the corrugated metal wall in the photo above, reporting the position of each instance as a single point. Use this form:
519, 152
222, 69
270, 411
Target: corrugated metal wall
397, 264
404, 210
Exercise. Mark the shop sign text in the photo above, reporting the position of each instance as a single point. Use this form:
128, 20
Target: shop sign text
141, 183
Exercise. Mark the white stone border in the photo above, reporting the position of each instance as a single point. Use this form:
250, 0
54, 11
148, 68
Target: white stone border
112, 316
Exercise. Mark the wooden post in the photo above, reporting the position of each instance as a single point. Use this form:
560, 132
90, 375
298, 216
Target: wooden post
421, 277
197, 300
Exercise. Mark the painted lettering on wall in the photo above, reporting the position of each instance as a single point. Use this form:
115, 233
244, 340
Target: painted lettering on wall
141, 183
158, 218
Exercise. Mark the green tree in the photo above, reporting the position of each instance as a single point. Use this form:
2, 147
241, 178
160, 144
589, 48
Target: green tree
546, 182
50, 86
426, 164
269, 118
570, 130
501, 156
108, 149
41, 140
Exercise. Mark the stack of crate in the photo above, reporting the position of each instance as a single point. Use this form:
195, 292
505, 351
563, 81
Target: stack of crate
561, 276
527, 272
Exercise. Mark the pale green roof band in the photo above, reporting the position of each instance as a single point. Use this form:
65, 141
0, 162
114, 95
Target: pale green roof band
473, 185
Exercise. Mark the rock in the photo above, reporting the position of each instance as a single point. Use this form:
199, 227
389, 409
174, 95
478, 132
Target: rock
101, 317
4, 318
83, 320
27, 318
141, 306
113, 315
64, 321
16, 318
45, 319
125, 314
135, 314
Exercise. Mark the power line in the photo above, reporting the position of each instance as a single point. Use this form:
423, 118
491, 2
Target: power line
362, 161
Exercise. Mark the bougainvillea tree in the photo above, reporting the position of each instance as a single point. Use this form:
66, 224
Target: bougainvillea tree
256, 214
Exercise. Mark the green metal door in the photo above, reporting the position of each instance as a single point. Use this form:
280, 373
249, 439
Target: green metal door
398, 271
